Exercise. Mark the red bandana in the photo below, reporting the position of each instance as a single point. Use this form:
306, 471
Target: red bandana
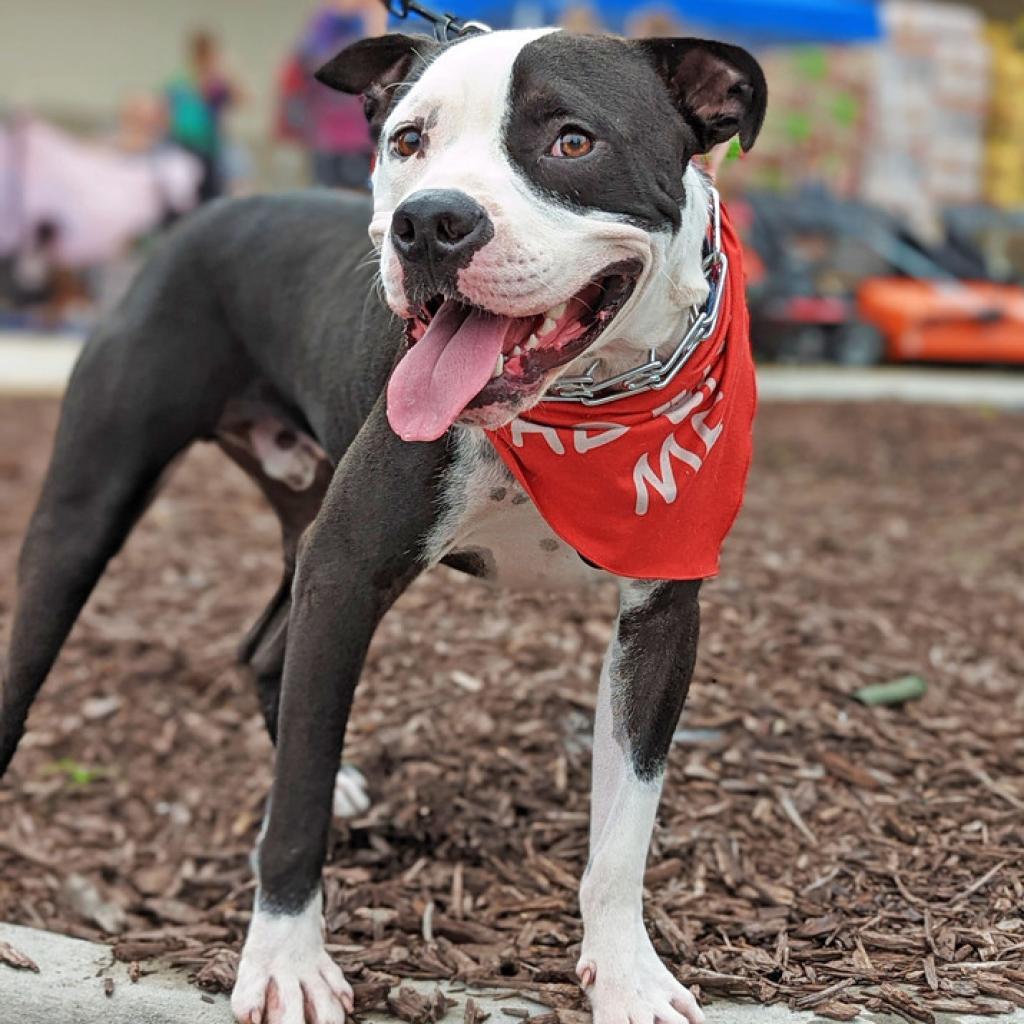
647, 487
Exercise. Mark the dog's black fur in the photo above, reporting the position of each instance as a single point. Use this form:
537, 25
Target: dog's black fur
267, 300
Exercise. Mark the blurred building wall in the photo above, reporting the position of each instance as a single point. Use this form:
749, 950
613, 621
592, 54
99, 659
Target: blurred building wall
77, 59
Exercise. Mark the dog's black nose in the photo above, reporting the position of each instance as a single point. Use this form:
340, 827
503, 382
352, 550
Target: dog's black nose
441, 227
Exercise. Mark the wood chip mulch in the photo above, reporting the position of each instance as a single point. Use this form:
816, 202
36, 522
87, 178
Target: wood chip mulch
810, 849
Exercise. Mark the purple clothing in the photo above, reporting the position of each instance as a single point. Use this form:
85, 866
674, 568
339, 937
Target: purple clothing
331, 121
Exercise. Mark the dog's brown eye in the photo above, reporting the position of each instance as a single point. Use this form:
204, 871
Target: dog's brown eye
572, 144
406, 142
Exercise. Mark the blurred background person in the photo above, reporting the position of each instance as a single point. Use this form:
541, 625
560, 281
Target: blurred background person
581, 18
655, 22
39, 279
141, 124
197, 100
329, 125
73, 208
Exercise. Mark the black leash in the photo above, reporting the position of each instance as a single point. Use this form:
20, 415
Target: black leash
446, 26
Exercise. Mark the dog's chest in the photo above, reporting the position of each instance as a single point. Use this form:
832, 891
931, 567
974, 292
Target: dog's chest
491, 526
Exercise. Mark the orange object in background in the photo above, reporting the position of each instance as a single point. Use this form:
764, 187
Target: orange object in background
945, 321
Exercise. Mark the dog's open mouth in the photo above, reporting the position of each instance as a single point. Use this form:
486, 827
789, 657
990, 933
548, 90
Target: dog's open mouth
463, 357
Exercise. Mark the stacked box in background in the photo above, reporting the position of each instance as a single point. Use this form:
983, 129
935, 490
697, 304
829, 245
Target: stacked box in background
1004, 157
932, 116
927, 127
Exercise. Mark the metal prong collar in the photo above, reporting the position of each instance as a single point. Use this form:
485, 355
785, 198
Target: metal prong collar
655, 373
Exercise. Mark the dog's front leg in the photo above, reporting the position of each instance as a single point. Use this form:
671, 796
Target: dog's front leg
643, 686
361, 551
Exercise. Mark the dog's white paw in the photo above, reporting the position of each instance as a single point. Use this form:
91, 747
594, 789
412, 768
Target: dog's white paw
350, 796
285, 975
633, 986
291, 993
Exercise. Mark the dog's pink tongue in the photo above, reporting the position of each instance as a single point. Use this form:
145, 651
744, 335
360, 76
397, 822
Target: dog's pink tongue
443, 371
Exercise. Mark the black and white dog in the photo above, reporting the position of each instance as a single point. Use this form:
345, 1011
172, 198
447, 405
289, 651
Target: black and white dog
517, 171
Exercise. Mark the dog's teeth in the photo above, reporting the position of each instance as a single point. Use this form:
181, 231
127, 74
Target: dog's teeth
547, 327
556, 312
499, 366
518, 350
533, 341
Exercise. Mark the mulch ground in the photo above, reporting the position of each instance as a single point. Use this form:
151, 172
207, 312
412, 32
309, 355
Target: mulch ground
810, 849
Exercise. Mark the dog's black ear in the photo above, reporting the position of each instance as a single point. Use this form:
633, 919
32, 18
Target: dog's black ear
373, 67
720, 89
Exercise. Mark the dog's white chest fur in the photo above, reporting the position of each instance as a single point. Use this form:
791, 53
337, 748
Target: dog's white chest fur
492, 522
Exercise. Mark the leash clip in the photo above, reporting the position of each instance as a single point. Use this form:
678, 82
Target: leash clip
446, 26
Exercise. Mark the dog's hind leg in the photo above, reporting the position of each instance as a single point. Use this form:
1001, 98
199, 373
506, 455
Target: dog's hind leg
293, 474
141, 392
262, 650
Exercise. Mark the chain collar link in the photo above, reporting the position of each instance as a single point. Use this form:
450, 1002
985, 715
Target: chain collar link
656, 373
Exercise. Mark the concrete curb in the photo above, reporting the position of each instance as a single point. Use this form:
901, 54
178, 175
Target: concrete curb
979, 388
33, 364
71, 988
74, 977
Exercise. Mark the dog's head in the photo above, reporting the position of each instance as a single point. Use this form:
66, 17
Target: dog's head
534, 203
